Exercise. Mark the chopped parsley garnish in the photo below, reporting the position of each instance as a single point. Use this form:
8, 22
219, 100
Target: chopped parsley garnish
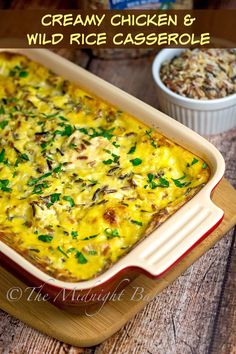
74, 234
137, 222
6, 162
152, 184
84, 131
44, 145
63, 118
204, 165
89, 237
111, 233
148, 133
163, 183
34, 181
72, 146
4, 185
115, 158
153, 144
49, 158
55, 197
193, 162
24, 157
45, 238
115, 144
93, 182
3, 124
92, 252
150, 177
38, 189
17, 70
61, 250
132, 149
2, 110
2, 155
137, 161
68, 130
70, 200
23, 73
180, 184
93, 133
107, 162
71, 249
81, 258
21, 158
58, 168
52, 115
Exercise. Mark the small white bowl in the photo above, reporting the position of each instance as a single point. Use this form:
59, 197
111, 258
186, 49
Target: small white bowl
203, 116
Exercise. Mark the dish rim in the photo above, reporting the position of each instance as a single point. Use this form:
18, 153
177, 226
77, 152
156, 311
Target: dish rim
212, 155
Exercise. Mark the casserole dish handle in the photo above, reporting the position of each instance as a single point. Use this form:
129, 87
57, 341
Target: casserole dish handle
171, 242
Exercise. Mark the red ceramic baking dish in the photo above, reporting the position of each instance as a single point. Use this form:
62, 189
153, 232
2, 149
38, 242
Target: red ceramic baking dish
163, 247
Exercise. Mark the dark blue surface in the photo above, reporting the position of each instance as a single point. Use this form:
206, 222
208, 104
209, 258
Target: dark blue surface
125, 4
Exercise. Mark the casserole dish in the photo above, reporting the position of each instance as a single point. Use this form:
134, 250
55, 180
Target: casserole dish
211, 116
153, 255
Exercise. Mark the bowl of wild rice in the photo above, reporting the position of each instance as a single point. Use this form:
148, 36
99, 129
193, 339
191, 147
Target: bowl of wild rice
198, 87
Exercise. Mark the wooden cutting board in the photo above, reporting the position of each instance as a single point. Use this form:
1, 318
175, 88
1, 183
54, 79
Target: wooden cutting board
98, 325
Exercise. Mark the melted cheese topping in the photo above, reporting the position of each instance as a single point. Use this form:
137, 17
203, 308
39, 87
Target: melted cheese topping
81, 181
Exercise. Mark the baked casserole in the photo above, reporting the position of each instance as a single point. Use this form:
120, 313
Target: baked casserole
81, 181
